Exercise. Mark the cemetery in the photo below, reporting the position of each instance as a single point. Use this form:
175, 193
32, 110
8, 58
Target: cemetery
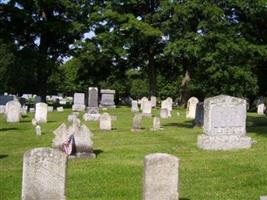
133, 100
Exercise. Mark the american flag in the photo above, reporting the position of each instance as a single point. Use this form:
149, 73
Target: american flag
68, 144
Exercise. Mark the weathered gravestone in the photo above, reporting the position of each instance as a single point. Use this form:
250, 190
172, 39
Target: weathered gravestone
142, 101
164, 113
92, 114
41, 113
92, 97
78, 104
199, 118
191, 108
38, 130
13, 111
156, 124
169, 99
147, 109
153, 101
24, 110
224, 124
60, 109
50, 108
81, 144
260, 109
105, 122
134, 107
161, 177
137, 120
44, 174
4, 99
166, 104
107, 99
2, 109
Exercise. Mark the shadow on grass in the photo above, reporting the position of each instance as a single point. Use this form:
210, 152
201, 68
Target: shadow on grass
3, 156
97, 152
7, 129
187, 124
184, 199
257, 124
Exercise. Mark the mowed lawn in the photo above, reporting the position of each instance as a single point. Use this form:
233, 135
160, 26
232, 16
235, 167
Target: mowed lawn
117, 172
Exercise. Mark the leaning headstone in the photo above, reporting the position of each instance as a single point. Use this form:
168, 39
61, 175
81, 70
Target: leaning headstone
81, 144
260, 109
166, 104
13, 111
137, 120
105, 122
161, 173
156, 124
44, 174
38, 130
191, 108
78, 104
92, 97
153, 101
147, 109
41, 113
134, 107
107, 98
164, 113
199, 118
224, 124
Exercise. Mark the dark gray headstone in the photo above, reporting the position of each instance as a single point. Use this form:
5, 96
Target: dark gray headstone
5, 98
107, 98
93, 97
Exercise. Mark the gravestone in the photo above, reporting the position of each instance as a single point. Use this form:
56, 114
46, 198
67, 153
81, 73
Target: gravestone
161, 177
263, 197
164, 113
92, 114
137, 121
32, 110
199, 118
24, 110
13, 111
224, 124
92, 97
82, 144
44, 174
147, 109
191, 108
5, 98
156, 124
105, 122
50, 109
79, 102
41, 113
153, 101
166, 104
37, 99
142, 101
169, 99
2, 109
60, 109
38, 130
107, 98
134, 107
260, 109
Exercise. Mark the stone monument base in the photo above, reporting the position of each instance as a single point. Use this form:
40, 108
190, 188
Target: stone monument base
107, 106
84, 155
223, 142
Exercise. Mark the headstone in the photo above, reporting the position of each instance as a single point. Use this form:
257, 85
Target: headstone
161, 177
153, 101
263, 197
60, 109
41, 113
82, 144
191, 108
38, 130
13, 111
164, 113
105, 122
4, 99
107, 98
224, 124
44, 174
32, 110
92, 97
169, 99
147, 109
137, 120
2, 109
50, 109
156, 124
260, 109
92, 114
37, 99
134, 107
144, 99
63, 102
24, 110
166, 104
34, 122
199, 118
79, 102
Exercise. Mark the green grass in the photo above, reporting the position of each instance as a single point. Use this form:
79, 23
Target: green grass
117, 172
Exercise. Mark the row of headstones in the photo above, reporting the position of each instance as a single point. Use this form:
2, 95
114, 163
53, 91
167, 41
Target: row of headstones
44, 175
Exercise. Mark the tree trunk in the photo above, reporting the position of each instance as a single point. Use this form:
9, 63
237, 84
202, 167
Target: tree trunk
152, 72
184, 92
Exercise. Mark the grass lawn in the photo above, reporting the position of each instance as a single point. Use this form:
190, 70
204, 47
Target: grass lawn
117, 172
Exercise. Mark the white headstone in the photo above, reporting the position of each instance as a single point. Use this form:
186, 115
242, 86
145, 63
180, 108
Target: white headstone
164, 113
161, 177
134, 107
41, 113
44, 174
260, 109
191, 108
146, 108
153, 101
166, 104
156, 124
38, 130
142, 102
137, 120
79, 102
224, 124
60, 109
105, 122
13, 111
